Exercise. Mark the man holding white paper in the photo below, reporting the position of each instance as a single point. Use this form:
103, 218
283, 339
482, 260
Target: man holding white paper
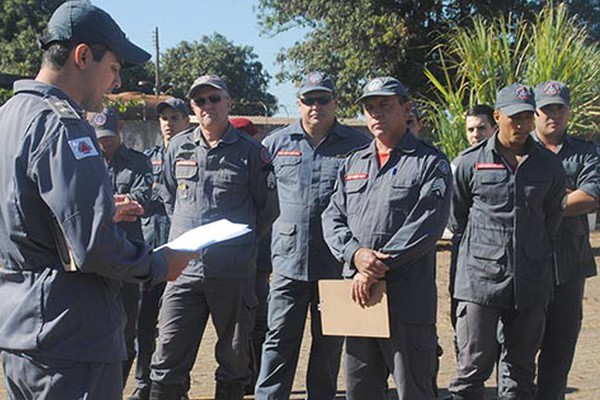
213, 172
390, 206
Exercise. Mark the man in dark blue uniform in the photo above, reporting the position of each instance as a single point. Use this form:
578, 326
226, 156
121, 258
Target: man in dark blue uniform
389, 208
574, 260
507, 203
213, 172
63, 258
306, 158
173, 118
130, 176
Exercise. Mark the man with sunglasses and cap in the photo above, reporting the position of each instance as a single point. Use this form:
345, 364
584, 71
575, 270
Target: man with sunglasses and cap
573, 257
388, 210
63, 258
306, 158
211, 172
173, 118
508, 199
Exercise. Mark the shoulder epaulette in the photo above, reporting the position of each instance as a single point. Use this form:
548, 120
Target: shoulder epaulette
62, 108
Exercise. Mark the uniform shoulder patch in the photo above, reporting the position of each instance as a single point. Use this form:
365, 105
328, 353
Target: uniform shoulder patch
62, 108
443, 167
265, 155
83, 147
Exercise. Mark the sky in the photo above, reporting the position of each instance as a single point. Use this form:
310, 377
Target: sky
188, 20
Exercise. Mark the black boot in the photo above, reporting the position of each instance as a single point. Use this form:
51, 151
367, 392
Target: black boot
159, 391
229, 391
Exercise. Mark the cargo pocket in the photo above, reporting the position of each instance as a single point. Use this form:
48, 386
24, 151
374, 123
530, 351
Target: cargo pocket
186, 173
354, 189
287, 237
487, 261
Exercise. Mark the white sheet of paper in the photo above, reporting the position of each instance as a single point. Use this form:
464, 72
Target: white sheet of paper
205, 235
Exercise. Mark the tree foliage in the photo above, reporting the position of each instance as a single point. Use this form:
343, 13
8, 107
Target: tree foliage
478, 61
237, 65
356, 40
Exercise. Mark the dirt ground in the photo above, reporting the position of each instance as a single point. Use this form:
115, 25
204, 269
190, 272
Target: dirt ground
583, 382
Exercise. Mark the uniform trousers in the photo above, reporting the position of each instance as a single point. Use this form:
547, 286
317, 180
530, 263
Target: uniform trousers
257, 337
563, 324
146, 330
29, 377
477, 334
409, 355
185, 308
289, 301
131, 298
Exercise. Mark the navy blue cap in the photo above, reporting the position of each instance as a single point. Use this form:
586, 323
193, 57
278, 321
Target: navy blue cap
515, 98
552, 92
105, 123
81, 22
384, 86
206, 80
174, 103
315, 81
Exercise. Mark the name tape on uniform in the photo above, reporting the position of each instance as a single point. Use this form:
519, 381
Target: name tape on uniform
355, 177
489, 166
288, 153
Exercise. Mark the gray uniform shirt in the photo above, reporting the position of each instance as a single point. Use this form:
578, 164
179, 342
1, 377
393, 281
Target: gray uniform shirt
232, 180
306, 176
572, 249
55, 195
506, 221
400, 209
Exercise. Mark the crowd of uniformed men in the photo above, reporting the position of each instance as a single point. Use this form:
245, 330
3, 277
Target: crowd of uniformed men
82, 292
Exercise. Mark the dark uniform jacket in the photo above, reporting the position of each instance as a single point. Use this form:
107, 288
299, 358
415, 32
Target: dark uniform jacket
156, 222
400, 209
572, 250
56, 200
130, 174
507, 221
233, 180
305, 177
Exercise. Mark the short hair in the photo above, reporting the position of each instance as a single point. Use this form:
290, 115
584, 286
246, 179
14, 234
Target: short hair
57, 53
482, 109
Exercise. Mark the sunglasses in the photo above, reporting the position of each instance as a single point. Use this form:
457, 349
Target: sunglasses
213, 98
321, 100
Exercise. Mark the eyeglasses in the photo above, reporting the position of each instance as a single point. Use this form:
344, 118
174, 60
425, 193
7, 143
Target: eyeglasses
321, 100
213, 98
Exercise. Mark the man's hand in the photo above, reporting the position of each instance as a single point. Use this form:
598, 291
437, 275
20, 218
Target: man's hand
177, 261
369, 262
361, 285
126, 209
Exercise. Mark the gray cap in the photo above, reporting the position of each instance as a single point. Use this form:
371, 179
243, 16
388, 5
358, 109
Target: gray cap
315, 81
207, 80
552, 92
174, 103
514, 99
106, 123
81, 22
384, 86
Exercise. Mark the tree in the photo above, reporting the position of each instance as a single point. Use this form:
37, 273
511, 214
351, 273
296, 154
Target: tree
478, 61
237, 65
356, 40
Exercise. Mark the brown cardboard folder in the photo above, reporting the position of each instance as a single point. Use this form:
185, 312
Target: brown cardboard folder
340, 316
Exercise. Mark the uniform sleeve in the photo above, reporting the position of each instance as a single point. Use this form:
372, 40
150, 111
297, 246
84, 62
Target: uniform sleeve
555, 200
462, 198
336, 232
589, 177
263, 188
169, 190
73, 182
141, 187
427, 219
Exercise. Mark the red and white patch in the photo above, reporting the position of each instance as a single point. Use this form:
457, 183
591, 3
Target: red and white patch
189, 163
483, 165
552, 89
523, 92
157, 162
355, 177
289, 153
83, 147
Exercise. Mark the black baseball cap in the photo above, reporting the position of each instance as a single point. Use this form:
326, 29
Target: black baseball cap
105, 123
515, 98
174, 103
81, 22
207, 80
315, 81
384, 86
552, 92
